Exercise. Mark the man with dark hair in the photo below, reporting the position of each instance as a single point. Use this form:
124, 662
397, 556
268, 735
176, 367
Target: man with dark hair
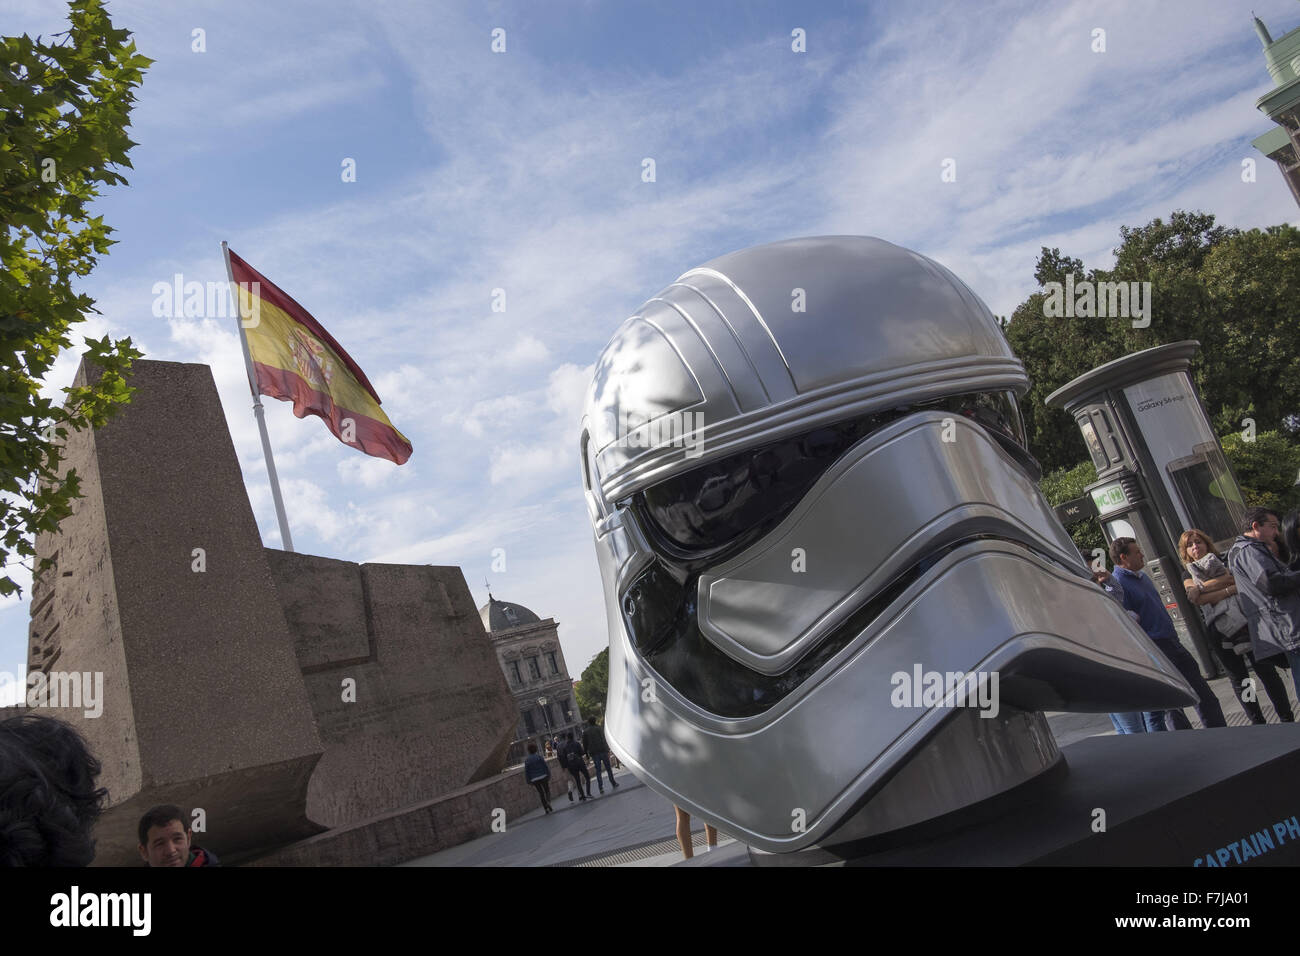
593, 738
1129, 722
165, 840
1268, 592
1142, 598
48, 799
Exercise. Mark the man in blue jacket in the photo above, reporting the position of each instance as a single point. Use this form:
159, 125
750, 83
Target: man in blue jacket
1142, 598
539, 775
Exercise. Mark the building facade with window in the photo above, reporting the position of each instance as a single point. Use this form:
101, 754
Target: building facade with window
529, 651
1282, 104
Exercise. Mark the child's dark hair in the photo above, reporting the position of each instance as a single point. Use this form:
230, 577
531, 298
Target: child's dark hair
48, 799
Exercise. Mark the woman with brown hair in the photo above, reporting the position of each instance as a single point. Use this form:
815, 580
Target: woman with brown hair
1211, 587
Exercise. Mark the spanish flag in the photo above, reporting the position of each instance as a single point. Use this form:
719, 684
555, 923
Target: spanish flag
295, 360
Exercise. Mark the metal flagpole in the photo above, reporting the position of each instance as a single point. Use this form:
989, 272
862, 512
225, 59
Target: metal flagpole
258, 411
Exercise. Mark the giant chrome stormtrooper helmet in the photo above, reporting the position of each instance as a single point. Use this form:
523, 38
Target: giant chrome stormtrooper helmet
810, 491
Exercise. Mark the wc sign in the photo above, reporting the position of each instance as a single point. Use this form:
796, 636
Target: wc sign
1076, 510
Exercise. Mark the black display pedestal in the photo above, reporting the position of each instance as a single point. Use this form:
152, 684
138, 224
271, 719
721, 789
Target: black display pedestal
1231, 796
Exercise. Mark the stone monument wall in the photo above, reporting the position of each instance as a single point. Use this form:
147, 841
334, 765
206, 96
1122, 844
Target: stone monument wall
222, 662
428, 711
203, 702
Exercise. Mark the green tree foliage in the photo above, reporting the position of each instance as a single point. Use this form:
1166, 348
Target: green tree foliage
1266, 469
593, 687
1065, 484
1234, 292
65, 105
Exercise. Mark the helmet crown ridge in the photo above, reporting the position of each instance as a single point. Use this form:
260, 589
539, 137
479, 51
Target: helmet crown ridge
770, 339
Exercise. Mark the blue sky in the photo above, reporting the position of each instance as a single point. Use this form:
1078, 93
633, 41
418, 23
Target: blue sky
521, 171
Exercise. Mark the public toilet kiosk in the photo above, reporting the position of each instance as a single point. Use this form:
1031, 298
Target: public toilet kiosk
1160, 470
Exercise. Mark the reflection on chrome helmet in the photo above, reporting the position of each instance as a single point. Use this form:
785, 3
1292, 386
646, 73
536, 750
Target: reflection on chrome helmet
808, 480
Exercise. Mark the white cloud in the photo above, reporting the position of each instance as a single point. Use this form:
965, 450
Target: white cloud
490, 417
525, 350
371, 472
530, 463
566, 391
307, 506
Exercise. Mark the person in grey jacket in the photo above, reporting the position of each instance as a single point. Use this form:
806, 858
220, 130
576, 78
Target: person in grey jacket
1269, 592
1210, 587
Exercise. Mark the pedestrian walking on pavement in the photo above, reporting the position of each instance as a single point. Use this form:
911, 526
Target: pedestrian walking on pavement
539, 775
684, 833
593, 739
574, 759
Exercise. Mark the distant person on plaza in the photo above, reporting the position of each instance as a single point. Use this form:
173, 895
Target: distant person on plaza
1269, 591
48, 799
684, 833
539, 775
165, 839
1142, 598
1130, 722
593, 739
572, 756
1213, 589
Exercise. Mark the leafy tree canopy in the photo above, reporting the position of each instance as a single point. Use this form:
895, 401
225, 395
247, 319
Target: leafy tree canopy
65, 105
1235, 292
593, 687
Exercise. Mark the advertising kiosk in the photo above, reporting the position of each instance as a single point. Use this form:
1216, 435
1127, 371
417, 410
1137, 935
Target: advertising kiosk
1160, 469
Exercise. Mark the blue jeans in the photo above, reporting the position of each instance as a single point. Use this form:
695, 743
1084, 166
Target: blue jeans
597, 759
1128, 723
1157, 720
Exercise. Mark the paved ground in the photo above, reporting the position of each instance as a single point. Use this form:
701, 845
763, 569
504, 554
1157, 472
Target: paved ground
631, 816
633, 825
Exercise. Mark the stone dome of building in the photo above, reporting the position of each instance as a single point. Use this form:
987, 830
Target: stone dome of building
503, 615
